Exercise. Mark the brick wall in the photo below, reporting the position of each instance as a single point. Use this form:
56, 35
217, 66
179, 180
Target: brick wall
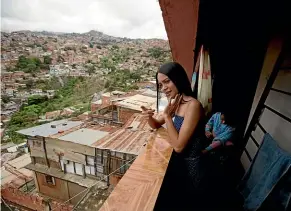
75, 189
125, 114
57, 191
105, 100
31, 201
94, 107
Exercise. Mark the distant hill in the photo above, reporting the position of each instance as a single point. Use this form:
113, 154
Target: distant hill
93, 36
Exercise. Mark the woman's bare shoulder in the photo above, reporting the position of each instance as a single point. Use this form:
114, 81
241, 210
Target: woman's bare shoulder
192, 101
193, 105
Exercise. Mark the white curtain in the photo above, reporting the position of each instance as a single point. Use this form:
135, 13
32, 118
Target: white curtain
204, 80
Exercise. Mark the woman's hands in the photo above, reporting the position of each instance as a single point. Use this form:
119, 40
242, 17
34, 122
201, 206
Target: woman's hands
172, 107
147, 112
168, 113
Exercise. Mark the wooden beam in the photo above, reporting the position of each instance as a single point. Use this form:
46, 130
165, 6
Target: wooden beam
45, 152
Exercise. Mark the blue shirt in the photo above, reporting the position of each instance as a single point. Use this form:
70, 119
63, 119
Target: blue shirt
222, 132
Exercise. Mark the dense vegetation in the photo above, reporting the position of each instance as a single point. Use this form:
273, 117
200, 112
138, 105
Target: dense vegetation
156, 52
76, 92
31, 64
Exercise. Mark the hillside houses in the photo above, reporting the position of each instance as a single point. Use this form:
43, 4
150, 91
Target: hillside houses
67, 157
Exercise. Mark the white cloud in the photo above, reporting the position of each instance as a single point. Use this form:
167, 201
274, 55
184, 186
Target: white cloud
123, 18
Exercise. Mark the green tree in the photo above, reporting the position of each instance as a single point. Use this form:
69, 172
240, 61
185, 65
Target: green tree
33, 109
50, 107
135, 76
37, 99
30, 68
155, 52
47, 60
115, 47
29, 65
107, 84
5, 98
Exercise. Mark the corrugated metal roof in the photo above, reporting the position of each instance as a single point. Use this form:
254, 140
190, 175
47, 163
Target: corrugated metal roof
84, 136
47, 130
136, 101
124, 140
139, 121
130, 139
105, 128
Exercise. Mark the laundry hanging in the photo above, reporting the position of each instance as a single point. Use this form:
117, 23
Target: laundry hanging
204, 80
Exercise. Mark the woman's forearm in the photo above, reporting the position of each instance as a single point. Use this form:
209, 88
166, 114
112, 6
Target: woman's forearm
173, 134
154, 123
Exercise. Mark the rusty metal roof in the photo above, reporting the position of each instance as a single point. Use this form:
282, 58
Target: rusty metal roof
138, 119
124, 140
105, 128
130, 139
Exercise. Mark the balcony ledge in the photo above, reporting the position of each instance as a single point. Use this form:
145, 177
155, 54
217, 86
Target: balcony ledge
139, 187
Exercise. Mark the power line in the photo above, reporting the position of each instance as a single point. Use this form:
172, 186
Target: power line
111, 174
94, 183
6, 204
98, 181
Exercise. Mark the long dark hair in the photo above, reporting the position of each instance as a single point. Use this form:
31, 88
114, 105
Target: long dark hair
178, 76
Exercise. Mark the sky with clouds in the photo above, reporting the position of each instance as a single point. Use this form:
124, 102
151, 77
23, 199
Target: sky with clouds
123, 18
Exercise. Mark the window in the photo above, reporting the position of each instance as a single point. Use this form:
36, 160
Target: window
90, 160
70, 168
62, 164
50, 180
90, 167
79, 169
90, 170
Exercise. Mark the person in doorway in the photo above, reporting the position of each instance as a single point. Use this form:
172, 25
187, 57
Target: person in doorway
218, 131
188, 181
